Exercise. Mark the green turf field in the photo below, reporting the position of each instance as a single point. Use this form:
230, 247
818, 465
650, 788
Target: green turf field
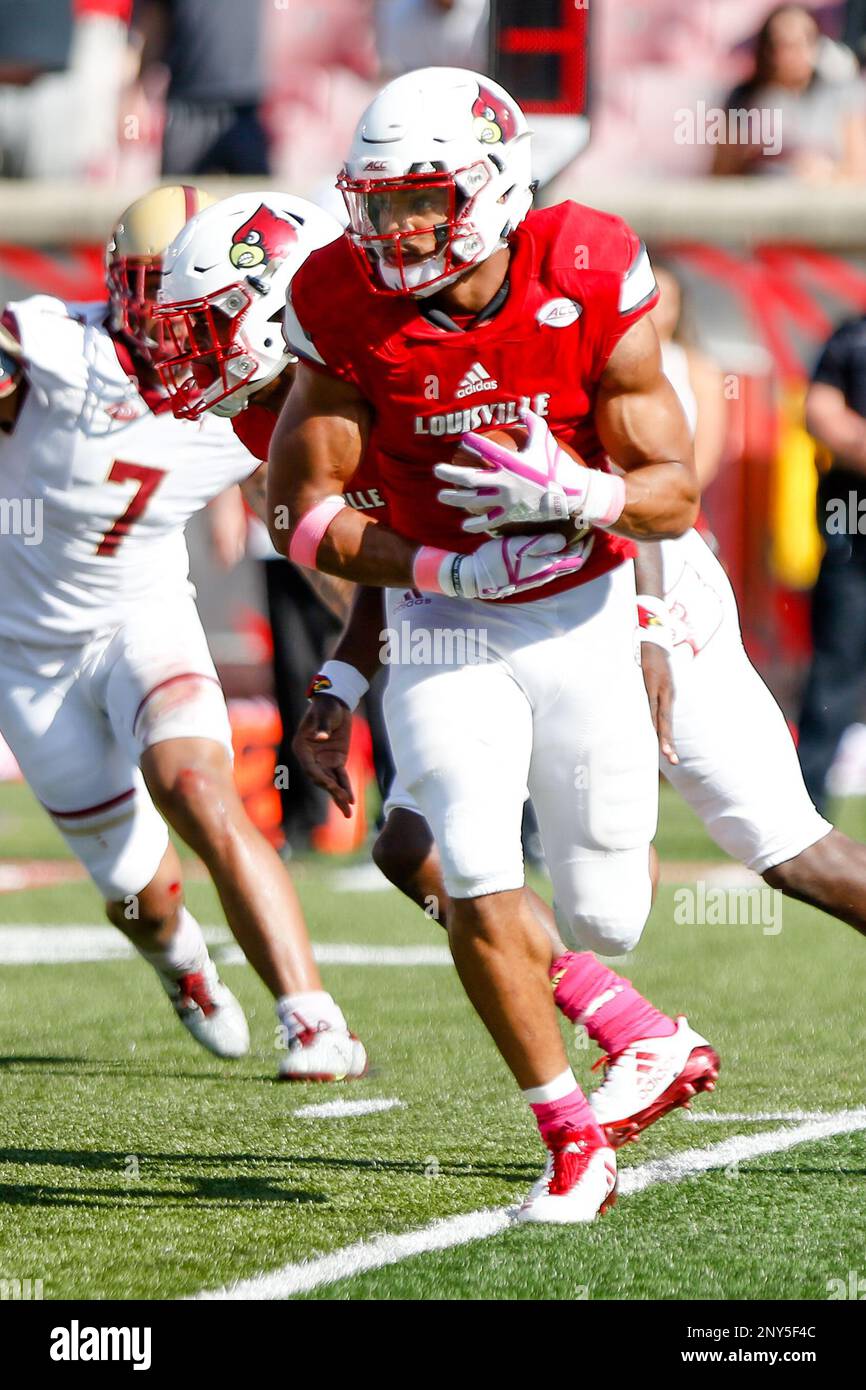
134, 1165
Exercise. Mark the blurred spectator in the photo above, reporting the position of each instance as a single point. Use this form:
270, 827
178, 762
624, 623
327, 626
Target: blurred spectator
836, 416
63, 64
432, 33
854, 28
213, 52
695, 377
320, 67
812, 115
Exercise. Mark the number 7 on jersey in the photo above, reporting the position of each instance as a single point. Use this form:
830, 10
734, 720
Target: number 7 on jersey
148, 480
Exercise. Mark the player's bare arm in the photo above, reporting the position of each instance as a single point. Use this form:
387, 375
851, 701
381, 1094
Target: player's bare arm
643, 428
833, 423
318, 443
655, 644
336, 594
321, 743
652, 493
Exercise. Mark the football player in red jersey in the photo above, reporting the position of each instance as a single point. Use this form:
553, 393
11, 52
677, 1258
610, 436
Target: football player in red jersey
446, 309
230, 361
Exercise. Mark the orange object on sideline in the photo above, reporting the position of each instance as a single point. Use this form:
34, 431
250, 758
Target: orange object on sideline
256, 734
339, 835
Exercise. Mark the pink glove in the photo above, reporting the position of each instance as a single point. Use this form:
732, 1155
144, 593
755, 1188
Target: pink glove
538, 483
499, 568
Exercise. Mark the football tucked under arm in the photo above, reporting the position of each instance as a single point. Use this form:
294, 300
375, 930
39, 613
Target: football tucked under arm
316, 447
653, 494
524, 479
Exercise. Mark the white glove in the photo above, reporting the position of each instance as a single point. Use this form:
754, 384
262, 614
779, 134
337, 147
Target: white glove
538, 483
499, 568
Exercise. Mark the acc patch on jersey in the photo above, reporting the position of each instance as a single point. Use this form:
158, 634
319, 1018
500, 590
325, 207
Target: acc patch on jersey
559, 313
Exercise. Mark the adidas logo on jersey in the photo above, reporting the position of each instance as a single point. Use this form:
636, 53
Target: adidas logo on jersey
476, 379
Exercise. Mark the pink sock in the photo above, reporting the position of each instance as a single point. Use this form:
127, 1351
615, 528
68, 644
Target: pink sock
608, 1006
556, 1111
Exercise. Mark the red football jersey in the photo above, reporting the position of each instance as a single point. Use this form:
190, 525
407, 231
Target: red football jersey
254, 427
577, 280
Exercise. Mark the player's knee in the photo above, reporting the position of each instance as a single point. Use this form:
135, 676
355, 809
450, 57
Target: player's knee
187, 706
607, 906
394, 859
480, 860
815, 867
194, 800
605, 933
141, 917
402, 847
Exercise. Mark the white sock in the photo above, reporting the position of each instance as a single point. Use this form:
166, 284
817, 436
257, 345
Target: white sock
184, 952
557, 1089
298, 1012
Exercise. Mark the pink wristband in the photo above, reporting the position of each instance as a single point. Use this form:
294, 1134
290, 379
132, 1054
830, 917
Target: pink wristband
310, 530
426, 569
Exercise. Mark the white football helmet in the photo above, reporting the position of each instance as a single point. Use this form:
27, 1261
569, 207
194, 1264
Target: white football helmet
456, 143
223, 294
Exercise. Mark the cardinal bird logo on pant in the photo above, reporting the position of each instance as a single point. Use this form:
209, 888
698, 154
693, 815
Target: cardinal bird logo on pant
264, 237
494, 119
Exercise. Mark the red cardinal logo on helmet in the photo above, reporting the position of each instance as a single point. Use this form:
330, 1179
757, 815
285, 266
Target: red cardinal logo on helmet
263, 237
494, 118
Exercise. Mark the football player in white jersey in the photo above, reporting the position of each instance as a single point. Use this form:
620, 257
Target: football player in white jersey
108, 694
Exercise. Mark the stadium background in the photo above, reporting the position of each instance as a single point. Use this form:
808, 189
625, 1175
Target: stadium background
769, 266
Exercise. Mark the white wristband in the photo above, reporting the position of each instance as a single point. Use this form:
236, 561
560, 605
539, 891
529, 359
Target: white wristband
341, 680
603, 502
654, 621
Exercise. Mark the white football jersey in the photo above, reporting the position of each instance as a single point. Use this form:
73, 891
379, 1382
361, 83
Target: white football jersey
95, 488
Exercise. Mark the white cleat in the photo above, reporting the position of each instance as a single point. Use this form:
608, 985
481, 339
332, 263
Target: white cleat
209, 1010
323, 1054
578, 1184
650, 1078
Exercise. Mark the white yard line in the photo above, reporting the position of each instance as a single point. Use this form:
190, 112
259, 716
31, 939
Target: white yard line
709, 1117
26, 944
367, 1254
342, 1109
304, 1275
742, 1147
32, 945
361, 878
